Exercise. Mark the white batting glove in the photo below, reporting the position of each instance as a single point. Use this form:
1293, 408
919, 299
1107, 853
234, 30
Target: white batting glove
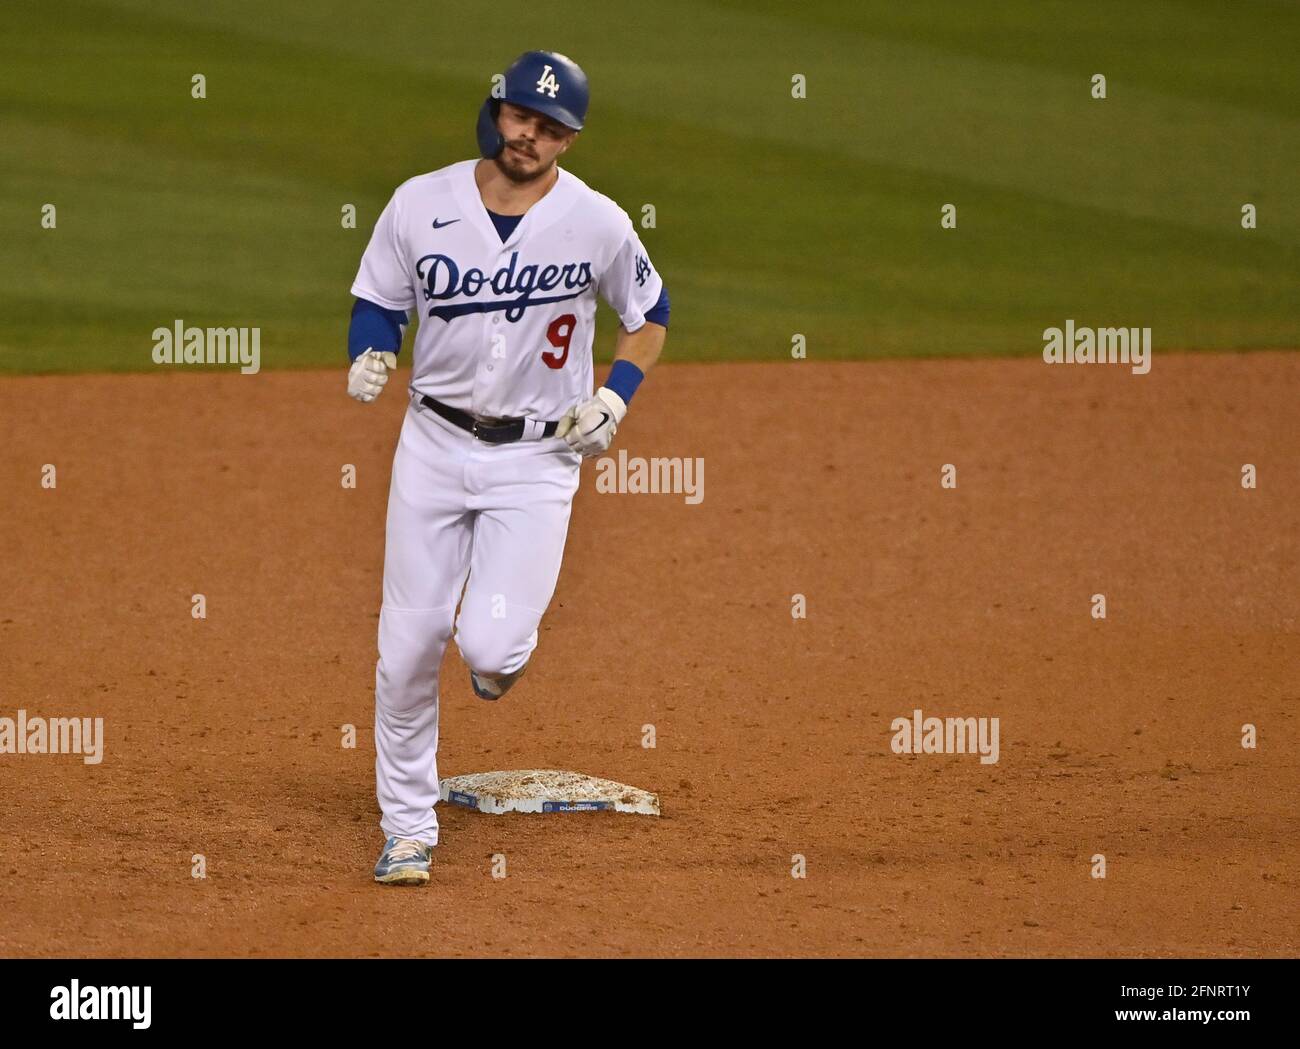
589, 428
368, 374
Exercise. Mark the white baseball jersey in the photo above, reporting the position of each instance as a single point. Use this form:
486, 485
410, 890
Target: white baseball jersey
505, 328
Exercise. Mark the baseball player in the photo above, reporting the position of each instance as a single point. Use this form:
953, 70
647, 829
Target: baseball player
503, 257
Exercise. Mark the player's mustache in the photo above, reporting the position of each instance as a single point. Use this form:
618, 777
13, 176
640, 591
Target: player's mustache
523, 147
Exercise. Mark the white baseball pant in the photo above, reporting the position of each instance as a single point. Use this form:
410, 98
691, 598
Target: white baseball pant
458, 506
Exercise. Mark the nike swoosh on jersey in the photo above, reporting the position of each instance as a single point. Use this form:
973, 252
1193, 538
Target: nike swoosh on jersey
439, 225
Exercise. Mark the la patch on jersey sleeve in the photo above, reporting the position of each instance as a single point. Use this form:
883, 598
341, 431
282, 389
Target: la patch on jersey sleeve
630, 284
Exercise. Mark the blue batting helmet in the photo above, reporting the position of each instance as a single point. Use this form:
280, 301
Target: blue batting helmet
545, 81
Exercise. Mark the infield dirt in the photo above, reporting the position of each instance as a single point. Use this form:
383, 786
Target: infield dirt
1120, 737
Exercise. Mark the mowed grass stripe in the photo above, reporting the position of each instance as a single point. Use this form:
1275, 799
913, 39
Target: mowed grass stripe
771, 218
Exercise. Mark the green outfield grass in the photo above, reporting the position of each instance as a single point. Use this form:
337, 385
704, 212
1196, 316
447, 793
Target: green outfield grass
775, 215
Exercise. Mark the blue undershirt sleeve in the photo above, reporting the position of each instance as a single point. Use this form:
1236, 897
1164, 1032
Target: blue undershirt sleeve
375, 328
658, 313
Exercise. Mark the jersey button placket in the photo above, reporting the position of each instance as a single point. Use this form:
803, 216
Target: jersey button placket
496, 334
483, 369
497, 331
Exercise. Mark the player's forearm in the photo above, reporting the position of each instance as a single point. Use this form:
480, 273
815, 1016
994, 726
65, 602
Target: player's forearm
635, 354
641, 347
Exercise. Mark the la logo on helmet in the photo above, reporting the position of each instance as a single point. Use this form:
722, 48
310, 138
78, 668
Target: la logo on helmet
548, 82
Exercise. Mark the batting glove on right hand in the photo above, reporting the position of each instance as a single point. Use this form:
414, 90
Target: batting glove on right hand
369, 373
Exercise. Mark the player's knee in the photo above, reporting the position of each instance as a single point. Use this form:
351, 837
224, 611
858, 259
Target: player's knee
493, 649
406, 676
402, 683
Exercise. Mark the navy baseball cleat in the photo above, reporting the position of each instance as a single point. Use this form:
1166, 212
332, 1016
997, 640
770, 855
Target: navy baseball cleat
404, 861
483, 689
494, 686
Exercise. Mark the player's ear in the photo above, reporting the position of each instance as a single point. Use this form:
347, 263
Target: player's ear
568, 141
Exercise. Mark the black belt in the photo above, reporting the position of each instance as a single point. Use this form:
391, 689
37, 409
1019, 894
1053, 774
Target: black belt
502, 432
